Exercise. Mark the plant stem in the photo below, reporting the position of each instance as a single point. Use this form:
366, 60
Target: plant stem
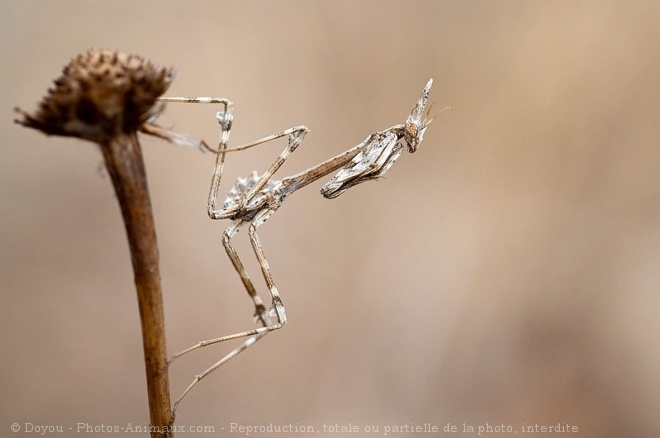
123, 159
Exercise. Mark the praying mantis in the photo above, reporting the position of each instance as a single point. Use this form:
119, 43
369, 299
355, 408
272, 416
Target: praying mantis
255, 198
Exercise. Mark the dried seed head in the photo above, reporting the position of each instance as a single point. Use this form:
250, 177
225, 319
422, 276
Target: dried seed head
100, 95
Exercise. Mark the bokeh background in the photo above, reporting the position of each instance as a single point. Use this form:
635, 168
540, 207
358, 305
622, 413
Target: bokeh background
505, 274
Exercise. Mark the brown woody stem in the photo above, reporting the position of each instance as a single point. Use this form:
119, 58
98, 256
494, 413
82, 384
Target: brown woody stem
123, 159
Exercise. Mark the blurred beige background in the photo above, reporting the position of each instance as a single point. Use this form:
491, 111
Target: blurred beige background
507, 273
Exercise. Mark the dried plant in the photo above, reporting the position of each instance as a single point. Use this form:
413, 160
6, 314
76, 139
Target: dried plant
107, 97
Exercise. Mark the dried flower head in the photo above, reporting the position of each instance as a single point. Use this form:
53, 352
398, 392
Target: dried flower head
100, 95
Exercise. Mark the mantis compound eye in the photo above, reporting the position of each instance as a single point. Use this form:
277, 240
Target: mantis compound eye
413, 136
